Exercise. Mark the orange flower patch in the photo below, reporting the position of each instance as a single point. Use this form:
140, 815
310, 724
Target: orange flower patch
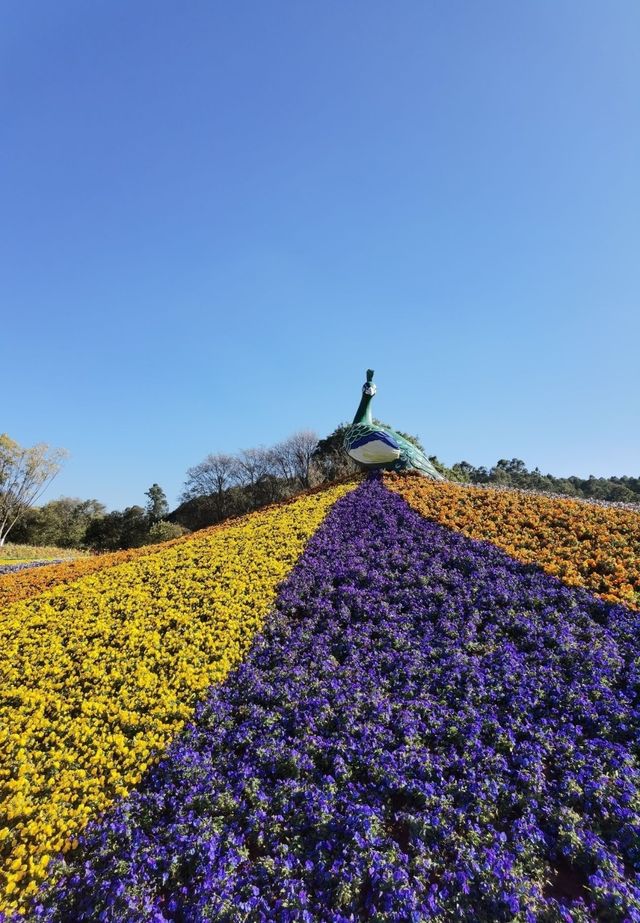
585, 544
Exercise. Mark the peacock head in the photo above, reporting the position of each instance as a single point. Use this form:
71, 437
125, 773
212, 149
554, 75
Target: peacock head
368, 387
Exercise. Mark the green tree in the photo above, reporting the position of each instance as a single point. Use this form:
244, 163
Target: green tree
463, 471
164, 532
447, 473
128, 528
62, 522
157, 506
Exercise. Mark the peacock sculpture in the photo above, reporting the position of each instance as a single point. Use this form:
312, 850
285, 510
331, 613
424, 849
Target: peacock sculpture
375, 446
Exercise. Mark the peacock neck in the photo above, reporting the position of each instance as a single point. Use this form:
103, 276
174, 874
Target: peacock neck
363, 413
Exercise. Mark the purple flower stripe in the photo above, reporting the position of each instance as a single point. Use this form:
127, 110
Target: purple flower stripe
425, 730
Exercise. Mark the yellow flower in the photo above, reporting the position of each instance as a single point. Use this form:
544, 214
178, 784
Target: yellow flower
99, 674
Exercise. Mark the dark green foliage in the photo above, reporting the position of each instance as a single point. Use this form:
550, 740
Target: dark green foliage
164, 531
331, 461
62, 522
448, 473
134, 526
200, 512
128, 528
514, 473
157, 506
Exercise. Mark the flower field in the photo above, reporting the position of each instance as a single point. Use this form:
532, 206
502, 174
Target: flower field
99, 674
21, 584
395, 719
597, 547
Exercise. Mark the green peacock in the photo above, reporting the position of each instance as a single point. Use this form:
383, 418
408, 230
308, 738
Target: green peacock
375, 446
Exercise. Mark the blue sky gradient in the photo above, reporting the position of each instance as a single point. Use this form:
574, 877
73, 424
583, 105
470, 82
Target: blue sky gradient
216, 216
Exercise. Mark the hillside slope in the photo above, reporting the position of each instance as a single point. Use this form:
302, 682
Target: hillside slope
423, 727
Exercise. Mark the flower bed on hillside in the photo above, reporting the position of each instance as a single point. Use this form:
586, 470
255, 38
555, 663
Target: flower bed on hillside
425, 729
15, 586
589, 545
98, 675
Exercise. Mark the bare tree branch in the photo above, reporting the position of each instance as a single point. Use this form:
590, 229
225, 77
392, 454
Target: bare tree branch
293, 458
212, 476
24, 476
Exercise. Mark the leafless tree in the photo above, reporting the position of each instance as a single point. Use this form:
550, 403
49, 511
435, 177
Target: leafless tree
230, 485
211, 477
293, 458
254, 465
24, 475
282, 460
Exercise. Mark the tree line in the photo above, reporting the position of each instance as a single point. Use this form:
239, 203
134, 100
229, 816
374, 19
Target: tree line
220, 486
73, 523
224, 485
514, 473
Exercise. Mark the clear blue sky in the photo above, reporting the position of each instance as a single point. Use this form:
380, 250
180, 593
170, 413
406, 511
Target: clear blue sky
215, 215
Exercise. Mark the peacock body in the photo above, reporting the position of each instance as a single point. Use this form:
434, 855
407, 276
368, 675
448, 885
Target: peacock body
375, 446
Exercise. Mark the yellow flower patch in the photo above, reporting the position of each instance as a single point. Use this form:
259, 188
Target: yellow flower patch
596, 547
23, 584
98, 675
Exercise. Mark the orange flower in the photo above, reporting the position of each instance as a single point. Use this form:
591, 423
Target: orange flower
585, 544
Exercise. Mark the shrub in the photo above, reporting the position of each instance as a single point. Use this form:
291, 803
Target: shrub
164, 531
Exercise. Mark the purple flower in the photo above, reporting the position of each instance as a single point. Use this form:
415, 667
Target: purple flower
425, 728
